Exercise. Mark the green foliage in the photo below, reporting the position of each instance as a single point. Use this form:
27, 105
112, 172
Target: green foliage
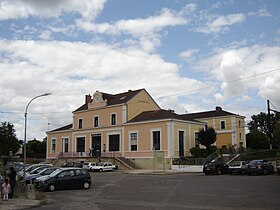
260, 123
8, 139
202, 153
36, 148
257, 140
207, 137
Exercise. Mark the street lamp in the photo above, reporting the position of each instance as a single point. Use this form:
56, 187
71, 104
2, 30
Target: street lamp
25, 124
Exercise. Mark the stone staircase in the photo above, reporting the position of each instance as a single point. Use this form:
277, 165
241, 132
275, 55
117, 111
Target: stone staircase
128, 164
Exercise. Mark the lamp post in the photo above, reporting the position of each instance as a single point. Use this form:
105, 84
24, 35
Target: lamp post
25, 125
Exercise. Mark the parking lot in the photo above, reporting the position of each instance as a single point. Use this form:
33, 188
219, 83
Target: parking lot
121, 191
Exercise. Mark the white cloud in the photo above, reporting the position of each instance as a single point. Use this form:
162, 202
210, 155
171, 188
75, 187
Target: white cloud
236, 68
72, 69
16, 9
262, 12
186, 55
136, 27
222, 23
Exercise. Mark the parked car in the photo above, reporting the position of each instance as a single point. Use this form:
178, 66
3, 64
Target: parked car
45, 171
72, 164
237, 167
259, 167
64, 178
29, 169
89, 165
38, 169
278, 166
106, 166
216, 166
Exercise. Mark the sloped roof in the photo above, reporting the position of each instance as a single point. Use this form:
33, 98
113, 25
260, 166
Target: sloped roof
114, 99
64, 128
219, 112
157, 115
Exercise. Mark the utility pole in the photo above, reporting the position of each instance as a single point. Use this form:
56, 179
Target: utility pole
269, 125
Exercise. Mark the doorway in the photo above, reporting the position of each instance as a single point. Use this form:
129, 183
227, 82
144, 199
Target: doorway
96, 145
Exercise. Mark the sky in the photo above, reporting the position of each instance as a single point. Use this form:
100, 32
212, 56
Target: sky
190, 55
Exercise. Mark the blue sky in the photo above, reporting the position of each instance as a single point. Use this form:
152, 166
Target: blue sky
189, 55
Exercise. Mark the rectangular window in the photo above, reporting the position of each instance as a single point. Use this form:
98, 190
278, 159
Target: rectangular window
133, 141
80, 123
66, 144
196, 139
181, 143
95, 121
113, 119
239, 123
81, 143
156, 140
114, 142
223, 125
240, 136
53, 145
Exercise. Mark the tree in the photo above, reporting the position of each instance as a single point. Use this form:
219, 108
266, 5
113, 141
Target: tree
35, 148
260, 123
207, 137
8, 139
257, 140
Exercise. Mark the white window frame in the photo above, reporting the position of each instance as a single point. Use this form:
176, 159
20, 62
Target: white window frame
129, 137
63, 143
152, 140
107, 141
195, 132
184, 138
221, 125
79, 123
97, 121
55, 143
112, 118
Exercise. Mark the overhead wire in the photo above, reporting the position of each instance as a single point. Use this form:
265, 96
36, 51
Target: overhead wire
216, 85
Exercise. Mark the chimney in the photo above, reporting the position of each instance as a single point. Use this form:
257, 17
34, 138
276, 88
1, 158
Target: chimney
218, 109
87, 98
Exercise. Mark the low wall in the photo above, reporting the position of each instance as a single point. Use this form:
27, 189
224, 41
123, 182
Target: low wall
188, 168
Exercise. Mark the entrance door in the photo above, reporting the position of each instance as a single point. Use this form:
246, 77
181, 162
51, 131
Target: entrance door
96, 145
181, 143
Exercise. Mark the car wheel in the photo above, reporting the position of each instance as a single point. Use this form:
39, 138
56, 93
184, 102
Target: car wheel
206, 173
101, 170
242, 172
219, 172
86, 185
230, 173
51, 187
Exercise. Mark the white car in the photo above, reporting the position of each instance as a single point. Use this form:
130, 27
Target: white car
89, 165
106, 166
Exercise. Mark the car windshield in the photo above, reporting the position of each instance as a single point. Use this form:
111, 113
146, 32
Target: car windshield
255, 162
53, 174
47, 171
237, 163
99, 164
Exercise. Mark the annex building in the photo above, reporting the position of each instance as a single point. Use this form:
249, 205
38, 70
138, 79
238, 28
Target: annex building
131, 125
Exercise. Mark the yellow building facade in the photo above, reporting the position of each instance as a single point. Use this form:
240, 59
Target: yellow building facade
130, 125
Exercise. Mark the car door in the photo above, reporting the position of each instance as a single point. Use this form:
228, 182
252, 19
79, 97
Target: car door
65, 180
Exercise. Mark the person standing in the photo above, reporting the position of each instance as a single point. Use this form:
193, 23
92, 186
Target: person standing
6, 187
12, 175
